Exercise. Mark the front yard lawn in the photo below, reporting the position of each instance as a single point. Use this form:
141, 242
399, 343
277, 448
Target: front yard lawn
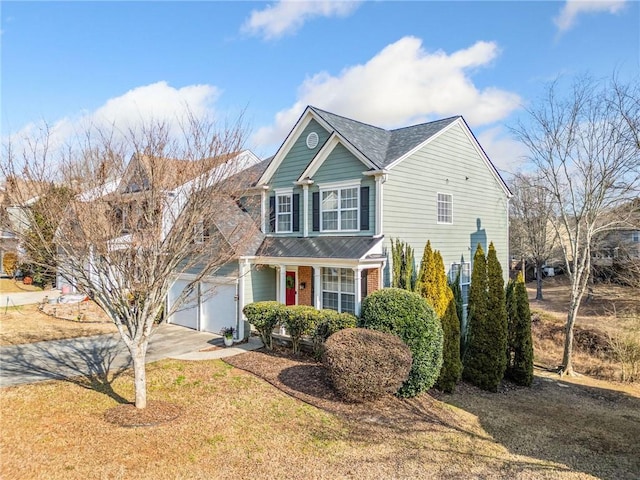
236, 425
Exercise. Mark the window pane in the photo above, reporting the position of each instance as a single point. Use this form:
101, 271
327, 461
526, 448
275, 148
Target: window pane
347, 282
349, 198
330, 220
284, 204
330, 279
330, 300
330, 200
349, 220
445, 208
348, 303
284, 222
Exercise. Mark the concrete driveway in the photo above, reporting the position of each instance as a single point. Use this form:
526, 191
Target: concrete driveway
88, 357
26, 298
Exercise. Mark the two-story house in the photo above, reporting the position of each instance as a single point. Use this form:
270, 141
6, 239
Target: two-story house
338, 190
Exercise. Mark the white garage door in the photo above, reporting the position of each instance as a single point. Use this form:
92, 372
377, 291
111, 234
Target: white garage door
187, 313
218, 306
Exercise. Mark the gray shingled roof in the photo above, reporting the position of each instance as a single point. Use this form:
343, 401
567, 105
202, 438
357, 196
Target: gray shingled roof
317, 247
382, 146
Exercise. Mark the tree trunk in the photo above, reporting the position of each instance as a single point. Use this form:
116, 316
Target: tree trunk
138, 355
567, 365
539, 280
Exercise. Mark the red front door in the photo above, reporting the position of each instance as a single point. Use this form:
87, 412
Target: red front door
291, 288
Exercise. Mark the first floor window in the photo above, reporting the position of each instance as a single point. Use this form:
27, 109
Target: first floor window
445, 208
284, 213
339, 289
464, 270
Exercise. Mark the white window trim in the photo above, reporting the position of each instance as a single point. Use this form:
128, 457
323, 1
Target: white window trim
340, 292
438, 209
284, 193
339, 187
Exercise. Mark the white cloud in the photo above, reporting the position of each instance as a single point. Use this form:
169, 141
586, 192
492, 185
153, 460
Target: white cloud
157, 102
402, 84
573, 8
506, 153
285, 17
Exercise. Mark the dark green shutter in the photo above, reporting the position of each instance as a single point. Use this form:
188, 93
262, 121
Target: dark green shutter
315, 203
364, 208
296, 212
272, 214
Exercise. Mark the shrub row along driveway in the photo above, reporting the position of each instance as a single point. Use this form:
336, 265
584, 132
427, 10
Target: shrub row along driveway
92, 356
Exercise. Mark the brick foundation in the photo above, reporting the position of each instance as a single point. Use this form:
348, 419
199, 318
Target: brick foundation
305, 275
373, 280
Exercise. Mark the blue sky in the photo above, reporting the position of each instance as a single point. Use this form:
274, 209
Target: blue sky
387, 63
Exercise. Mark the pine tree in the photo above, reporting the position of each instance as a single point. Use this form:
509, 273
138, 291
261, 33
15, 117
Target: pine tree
520, 350
451, 364
474, 358
457, 297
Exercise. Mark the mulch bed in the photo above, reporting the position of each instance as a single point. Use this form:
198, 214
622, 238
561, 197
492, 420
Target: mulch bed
301, 377
156, 413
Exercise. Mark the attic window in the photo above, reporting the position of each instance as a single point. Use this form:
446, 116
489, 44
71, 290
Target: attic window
312, 140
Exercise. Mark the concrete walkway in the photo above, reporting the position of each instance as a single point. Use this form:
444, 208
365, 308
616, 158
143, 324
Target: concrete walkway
26, 298
80, 360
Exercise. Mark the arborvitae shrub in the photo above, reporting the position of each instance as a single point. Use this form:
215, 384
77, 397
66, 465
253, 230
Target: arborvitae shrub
265, 316
365, 364
520, 366
299, 320
485, 359
451, 363
330, 322
403, 264
407, 314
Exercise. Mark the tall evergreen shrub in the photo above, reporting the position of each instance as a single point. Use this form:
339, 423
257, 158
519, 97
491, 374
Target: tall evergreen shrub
403, 265
520, 349
477, 363
451, 363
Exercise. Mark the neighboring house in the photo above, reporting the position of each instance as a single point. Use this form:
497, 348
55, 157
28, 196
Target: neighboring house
335, 194
15, 197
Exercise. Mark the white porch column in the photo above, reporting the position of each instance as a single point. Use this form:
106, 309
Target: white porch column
357, 274
305, 210
317, 287
380, 179
282, 284
244, 268
263, 211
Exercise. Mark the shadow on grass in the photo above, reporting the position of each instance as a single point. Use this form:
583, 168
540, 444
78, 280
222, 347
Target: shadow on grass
90, 362
589, 429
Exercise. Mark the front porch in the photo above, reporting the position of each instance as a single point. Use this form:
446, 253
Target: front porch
337, 279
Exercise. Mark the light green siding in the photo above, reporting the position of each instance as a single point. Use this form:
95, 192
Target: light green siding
298, 157
449, 164
260, 285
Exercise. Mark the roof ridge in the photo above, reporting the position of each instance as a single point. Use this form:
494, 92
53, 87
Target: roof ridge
426, 123
350, 119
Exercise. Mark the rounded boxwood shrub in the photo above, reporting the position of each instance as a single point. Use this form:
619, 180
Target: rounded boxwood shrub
265, 316
330, 322
407, 314
366, 364
299, 320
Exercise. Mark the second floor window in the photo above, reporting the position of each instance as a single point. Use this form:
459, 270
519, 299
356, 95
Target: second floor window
284, 213
340, 209
445, 208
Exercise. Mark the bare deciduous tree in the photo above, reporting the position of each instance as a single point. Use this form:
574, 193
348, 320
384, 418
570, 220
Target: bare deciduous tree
132, 226
587, 157
532, 236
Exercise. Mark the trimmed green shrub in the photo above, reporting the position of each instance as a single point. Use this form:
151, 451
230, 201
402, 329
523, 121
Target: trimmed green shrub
299, 320
365, 364
485, 359
265, 316
432, 280
451, 364
520, 349
407, 314
330, 322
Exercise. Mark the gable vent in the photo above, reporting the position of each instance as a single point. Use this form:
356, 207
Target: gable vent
312, 140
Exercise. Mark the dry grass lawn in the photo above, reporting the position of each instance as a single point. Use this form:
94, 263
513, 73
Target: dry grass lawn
26, 324
8, 285
235, 425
